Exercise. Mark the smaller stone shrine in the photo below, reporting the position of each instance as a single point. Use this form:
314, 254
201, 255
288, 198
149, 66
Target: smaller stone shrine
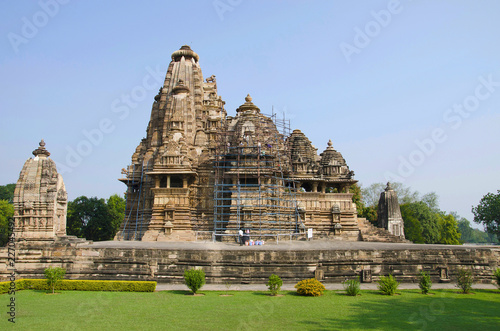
389, 213
40, 200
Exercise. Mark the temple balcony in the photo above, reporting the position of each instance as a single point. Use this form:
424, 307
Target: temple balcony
324, 201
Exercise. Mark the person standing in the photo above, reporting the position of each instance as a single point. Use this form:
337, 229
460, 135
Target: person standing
240, 234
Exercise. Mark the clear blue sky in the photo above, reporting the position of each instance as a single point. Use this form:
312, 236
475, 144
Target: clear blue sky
402, 88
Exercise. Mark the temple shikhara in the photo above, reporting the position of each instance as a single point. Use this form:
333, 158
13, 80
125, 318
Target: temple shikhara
200, 173
40, 199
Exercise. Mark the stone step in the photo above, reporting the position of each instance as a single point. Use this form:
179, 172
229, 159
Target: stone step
371, 233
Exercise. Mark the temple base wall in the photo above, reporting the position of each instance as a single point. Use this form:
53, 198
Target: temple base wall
222, 263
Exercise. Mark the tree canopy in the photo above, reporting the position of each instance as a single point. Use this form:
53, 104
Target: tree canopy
7, 192
471, 235
6, 212
424, 222
487, 212
95, 219
371, 194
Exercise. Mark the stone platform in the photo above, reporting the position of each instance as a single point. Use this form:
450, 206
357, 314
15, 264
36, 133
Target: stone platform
329, 261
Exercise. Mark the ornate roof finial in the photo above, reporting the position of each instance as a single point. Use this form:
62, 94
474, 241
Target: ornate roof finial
41, 151
185, 51
248, 106
330, 145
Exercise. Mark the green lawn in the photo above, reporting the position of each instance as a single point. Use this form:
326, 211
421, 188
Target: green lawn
445, 310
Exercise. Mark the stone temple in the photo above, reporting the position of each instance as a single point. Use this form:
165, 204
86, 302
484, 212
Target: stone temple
40, 199
200, 173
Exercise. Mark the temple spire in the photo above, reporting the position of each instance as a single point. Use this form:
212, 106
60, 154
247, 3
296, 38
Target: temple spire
41, 151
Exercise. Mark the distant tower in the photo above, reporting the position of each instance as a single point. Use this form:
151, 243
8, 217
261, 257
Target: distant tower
40, 199
389, 213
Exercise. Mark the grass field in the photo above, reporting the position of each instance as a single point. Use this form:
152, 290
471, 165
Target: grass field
174, 310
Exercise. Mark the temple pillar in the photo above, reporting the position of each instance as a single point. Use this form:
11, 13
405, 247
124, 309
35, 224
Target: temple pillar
315, 187
168, 181
184, 181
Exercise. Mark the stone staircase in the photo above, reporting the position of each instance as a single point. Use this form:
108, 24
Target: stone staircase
369, 232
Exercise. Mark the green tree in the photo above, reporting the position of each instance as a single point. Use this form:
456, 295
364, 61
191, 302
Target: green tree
471, 235
413, 228
194, 279
77, 216
356, 197
487, 212
54, 276
7, 192
274, 284
465, 230
6, 212
116, 206
432, 201
370, 213
449, 233
427, 219
95, 219
371, 194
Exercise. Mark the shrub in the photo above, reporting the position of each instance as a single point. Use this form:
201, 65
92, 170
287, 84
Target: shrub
388, 285
194, 279
310, 287
351, 287
465, 280
274, 284
82, 285
497, 276
4, 287
424, 282
54, 276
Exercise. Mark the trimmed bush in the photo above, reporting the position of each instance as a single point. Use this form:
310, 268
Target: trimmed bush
388, 285
497, 276
424, 282
274, 284
465, 280
310, 287
352, 287
54, 276
194, 279
82, 285
5, 287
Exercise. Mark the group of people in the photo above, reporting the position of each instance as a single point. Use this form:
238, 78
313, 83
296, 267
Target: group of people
244, 236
